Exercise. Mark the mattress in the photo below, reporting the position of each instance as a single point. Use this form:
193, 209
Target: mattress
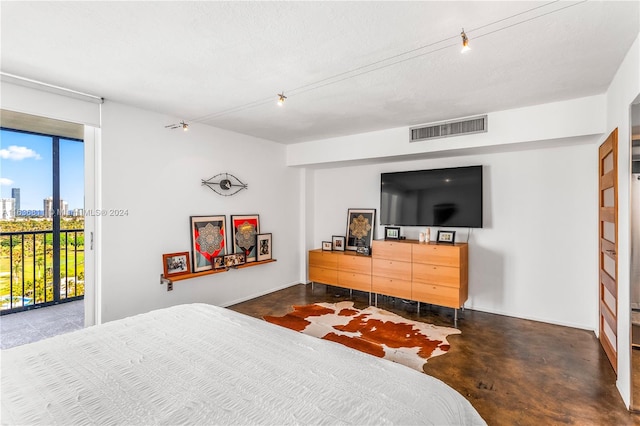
201, 364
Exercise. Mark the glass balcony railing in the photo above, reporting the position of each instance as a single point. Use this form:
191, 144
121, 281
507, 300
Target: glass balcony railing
28, 276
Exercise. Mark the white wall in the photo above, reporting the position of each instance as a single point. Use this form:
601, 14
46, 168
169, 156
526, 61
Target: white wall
155, 174
540, 223
553, 121
623, 90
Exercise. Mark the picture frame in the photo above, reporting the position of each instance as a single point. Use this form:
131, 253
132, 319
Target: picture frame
360, 228
234, 259
264, 247
338, 243
391, 232
176, 264
218, 263
446, 237
326, 246
208, 240
244, 229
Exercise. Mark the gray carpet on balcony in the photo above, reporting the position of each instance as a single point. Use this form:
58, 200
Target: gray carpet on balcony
37, 324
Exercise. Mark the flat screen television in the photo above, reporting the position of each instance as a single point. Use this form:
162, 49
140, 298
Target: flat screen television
438, 197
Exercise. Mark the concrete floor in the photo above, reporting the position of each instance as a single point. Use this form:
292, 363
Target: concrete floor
37, 324
513, 371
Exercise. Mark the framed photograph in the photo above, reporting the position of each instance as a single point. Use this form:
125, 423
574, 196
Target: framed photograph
446, 237
208, 237
264, 247
244, 230
360, 224
176, 264
391, 233
326, 245
235, 259
218, 263
337, 243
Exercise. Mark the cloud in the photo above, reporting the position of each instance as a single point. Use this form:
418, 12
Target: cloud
18, 153
6, 182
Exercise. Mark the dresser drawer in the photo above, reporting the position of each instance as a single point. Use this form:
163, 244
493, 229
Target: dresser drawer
446, 255
437, 295
392, 250
436, 274
323, 275
392, 269
391, 287
354, 263
323, 259
354, 280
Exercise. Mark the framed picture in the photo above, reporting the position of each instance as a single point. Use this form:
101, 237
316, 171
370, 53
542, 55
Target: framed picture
391, 232
360, 224
326, 245
244, 231
235, 259
176, 264
208, 237
264, 247
337, 243
218, 263
446, 237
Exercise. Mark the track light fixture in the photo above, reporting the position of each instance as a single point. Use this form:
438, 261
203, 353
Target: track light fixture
465, 42
281, 98
182, 125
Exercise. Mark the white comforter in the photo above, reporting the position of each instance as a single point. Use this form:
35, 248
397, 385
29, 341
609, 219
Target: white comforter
201, 364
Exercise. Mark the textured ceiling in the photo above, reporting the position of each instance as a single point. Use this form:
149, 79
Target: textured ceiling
222, 63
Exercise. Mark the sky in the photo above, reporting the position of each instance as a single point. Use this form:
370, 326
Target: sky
26, 163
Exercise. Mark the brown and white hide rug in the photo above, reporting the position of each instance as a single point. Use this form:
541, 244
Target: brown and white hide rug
371, 330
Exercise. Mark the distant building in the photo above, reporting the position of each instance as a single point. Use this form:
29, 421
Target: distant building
8, 208
15, 194
63, 209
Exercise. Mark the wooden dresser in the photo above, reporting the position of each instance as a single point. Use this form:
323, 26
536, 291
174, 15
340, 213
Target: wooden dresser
343, 269
425, 272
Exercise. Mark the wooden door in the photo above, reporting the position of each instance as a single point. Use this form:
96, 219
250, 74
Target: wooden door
608, 221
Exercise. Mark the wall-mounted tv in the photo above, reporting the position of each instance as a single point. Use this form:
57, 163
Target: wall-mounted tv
438, 197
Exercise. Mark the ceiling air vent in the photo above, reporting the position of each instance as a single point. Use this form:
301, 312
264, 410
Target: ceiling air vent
449, 128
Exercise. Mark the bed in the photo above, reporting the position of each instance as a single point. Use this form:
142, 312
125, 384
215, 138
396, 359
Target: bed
202, 364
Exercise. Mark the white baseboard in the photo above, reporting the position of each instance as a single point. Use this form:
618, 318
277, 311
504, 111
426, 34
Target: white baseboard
532, 318
253, 296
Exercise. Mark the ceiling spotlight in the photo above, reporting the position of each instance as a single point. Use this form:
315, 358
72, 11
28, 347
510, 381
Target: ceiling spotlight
181, 125
281, 98
465, 42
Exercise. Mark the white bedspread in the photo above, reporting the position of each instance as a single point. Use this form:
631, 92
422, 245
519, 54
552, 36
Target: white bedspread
201, 364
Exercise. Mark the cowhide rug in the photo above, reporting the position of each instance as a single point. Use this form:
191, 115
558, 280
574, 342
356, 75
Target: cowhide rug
371, 330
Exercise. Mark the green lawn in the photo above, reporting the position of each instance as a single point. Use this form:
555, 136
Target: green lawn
71, 267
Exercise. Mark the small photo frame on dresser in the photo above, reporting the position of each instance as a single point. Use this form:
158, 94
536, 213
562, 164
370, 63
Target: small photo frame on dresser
446, 237
338, 243
391, 232
326, 246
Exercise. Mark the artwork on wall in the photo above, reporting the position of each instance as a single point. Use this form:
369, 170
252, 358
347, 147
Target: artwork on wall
176, 264
244, 231
264, 247
338, 243
360, 224
207, 240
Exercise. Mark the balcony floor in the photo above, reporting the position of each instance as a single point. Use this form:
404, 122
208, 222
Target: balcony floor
37, 324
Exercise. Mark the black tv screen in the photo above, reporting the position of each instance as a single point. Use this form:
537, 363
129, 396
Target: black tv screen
438, 197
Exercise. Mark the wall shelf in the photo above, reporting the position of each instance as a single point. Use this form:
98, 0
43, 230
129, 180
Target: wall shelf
247, 265
170, 281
